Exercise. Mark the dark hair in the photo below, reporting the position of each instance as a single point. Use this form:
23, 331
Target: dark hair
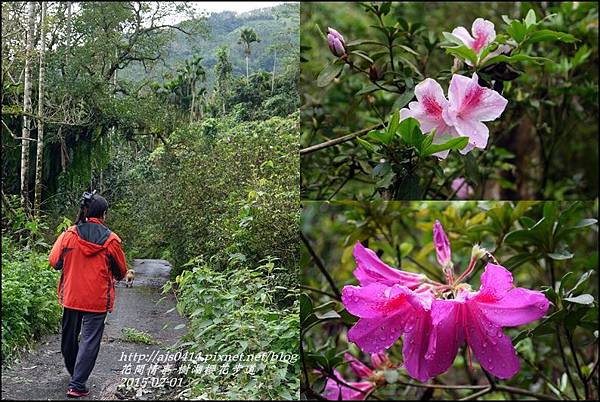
94, 208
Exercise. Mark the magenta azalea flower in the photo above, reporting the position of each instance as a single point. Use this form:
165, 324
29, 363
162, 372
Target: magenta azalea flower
428, 111
334, 391
336, 43
470, 104
462, 188
434, 318
483, 34
478, 317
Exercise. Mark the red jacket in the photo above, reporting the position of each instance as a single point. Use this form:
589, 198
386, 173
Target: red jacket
92, 260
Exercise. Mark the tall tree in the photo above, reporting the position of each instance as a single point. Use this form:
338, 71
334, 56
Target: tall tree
40, 136
223, 72
27, 108
247, 37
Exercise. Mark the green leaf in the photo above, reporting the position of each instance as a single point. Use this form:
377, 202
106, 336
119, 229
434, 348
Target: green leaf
360, 42
455, 143
583, 279
544, 35
410, 132
561, 255
530, 18
516, 30
585, 222
394, 123
581, 299
329, 315
306, 306
516, 58
328, 73
365, 144
404, 99
383, 137
463, 52
452, 38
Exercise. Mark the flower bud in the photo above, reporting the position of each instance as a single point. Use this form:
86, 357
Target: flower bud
336, 43
374, 73
380, 360
442, 245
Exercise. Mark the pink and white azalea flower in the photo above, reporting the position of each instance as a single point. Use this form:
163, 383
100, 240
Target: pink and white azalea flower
336, 391
477, 318
428, 112
483, 34
462, 188
470, 104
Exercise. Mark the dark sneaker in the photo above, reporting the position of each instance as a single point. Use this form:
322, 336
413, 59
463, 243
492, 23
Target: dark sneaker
73, 393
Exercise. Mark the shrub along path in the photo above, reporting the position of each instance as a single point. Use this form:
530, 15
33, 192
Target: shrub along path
41, 374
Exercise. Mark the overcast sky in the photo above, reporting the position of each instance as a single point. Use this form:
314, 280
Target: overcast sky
238, 6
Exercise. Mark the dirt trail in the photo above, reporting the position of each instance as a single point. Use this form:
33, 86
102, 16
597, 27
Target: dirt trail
41, 373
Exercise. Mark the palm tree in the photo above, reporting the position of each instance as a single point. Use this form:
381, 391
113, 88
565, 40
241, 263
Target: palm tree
248, 36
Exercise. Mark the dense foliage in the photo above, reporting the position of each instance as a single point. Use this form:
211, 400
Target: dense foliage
548, 246
29, 304
549, 79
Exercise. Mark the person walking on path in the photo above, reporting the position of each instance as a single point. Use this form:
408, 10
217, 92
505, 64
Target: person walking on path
92, 260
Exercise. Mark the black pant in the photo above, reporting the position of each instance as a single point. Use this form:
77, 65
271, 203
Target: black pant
80, 355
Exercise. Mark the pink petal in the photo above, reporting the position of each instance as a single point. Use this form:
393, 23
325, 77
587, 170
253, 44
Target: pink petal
496, 282
446, 335
470, 101
428, 109
519, 306
384, 311
380, 360
477, 132
370, 269
374, 335
359, 368
483, 32
464, 35
335, 391
370, 301
491, 347
416, 342
335, 33
464, 190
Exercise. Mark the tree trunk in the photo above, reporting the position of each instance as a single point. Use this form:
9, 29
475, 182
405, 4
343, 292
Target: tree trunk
40, 137
273, 78
27, 109
193, 103
247, 74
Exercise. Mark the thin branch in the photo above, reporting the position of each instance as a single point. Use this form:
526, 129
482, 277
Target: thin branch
318, 291
476, 395
524, 392
321, 266
339, 140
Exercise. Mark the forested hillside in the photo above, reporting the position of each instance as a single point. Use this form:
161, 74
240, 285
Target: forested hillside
192, 139
276, 27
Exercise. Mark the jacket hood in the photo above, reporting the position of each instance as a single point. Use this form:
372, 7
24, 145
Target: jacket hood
92, 236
